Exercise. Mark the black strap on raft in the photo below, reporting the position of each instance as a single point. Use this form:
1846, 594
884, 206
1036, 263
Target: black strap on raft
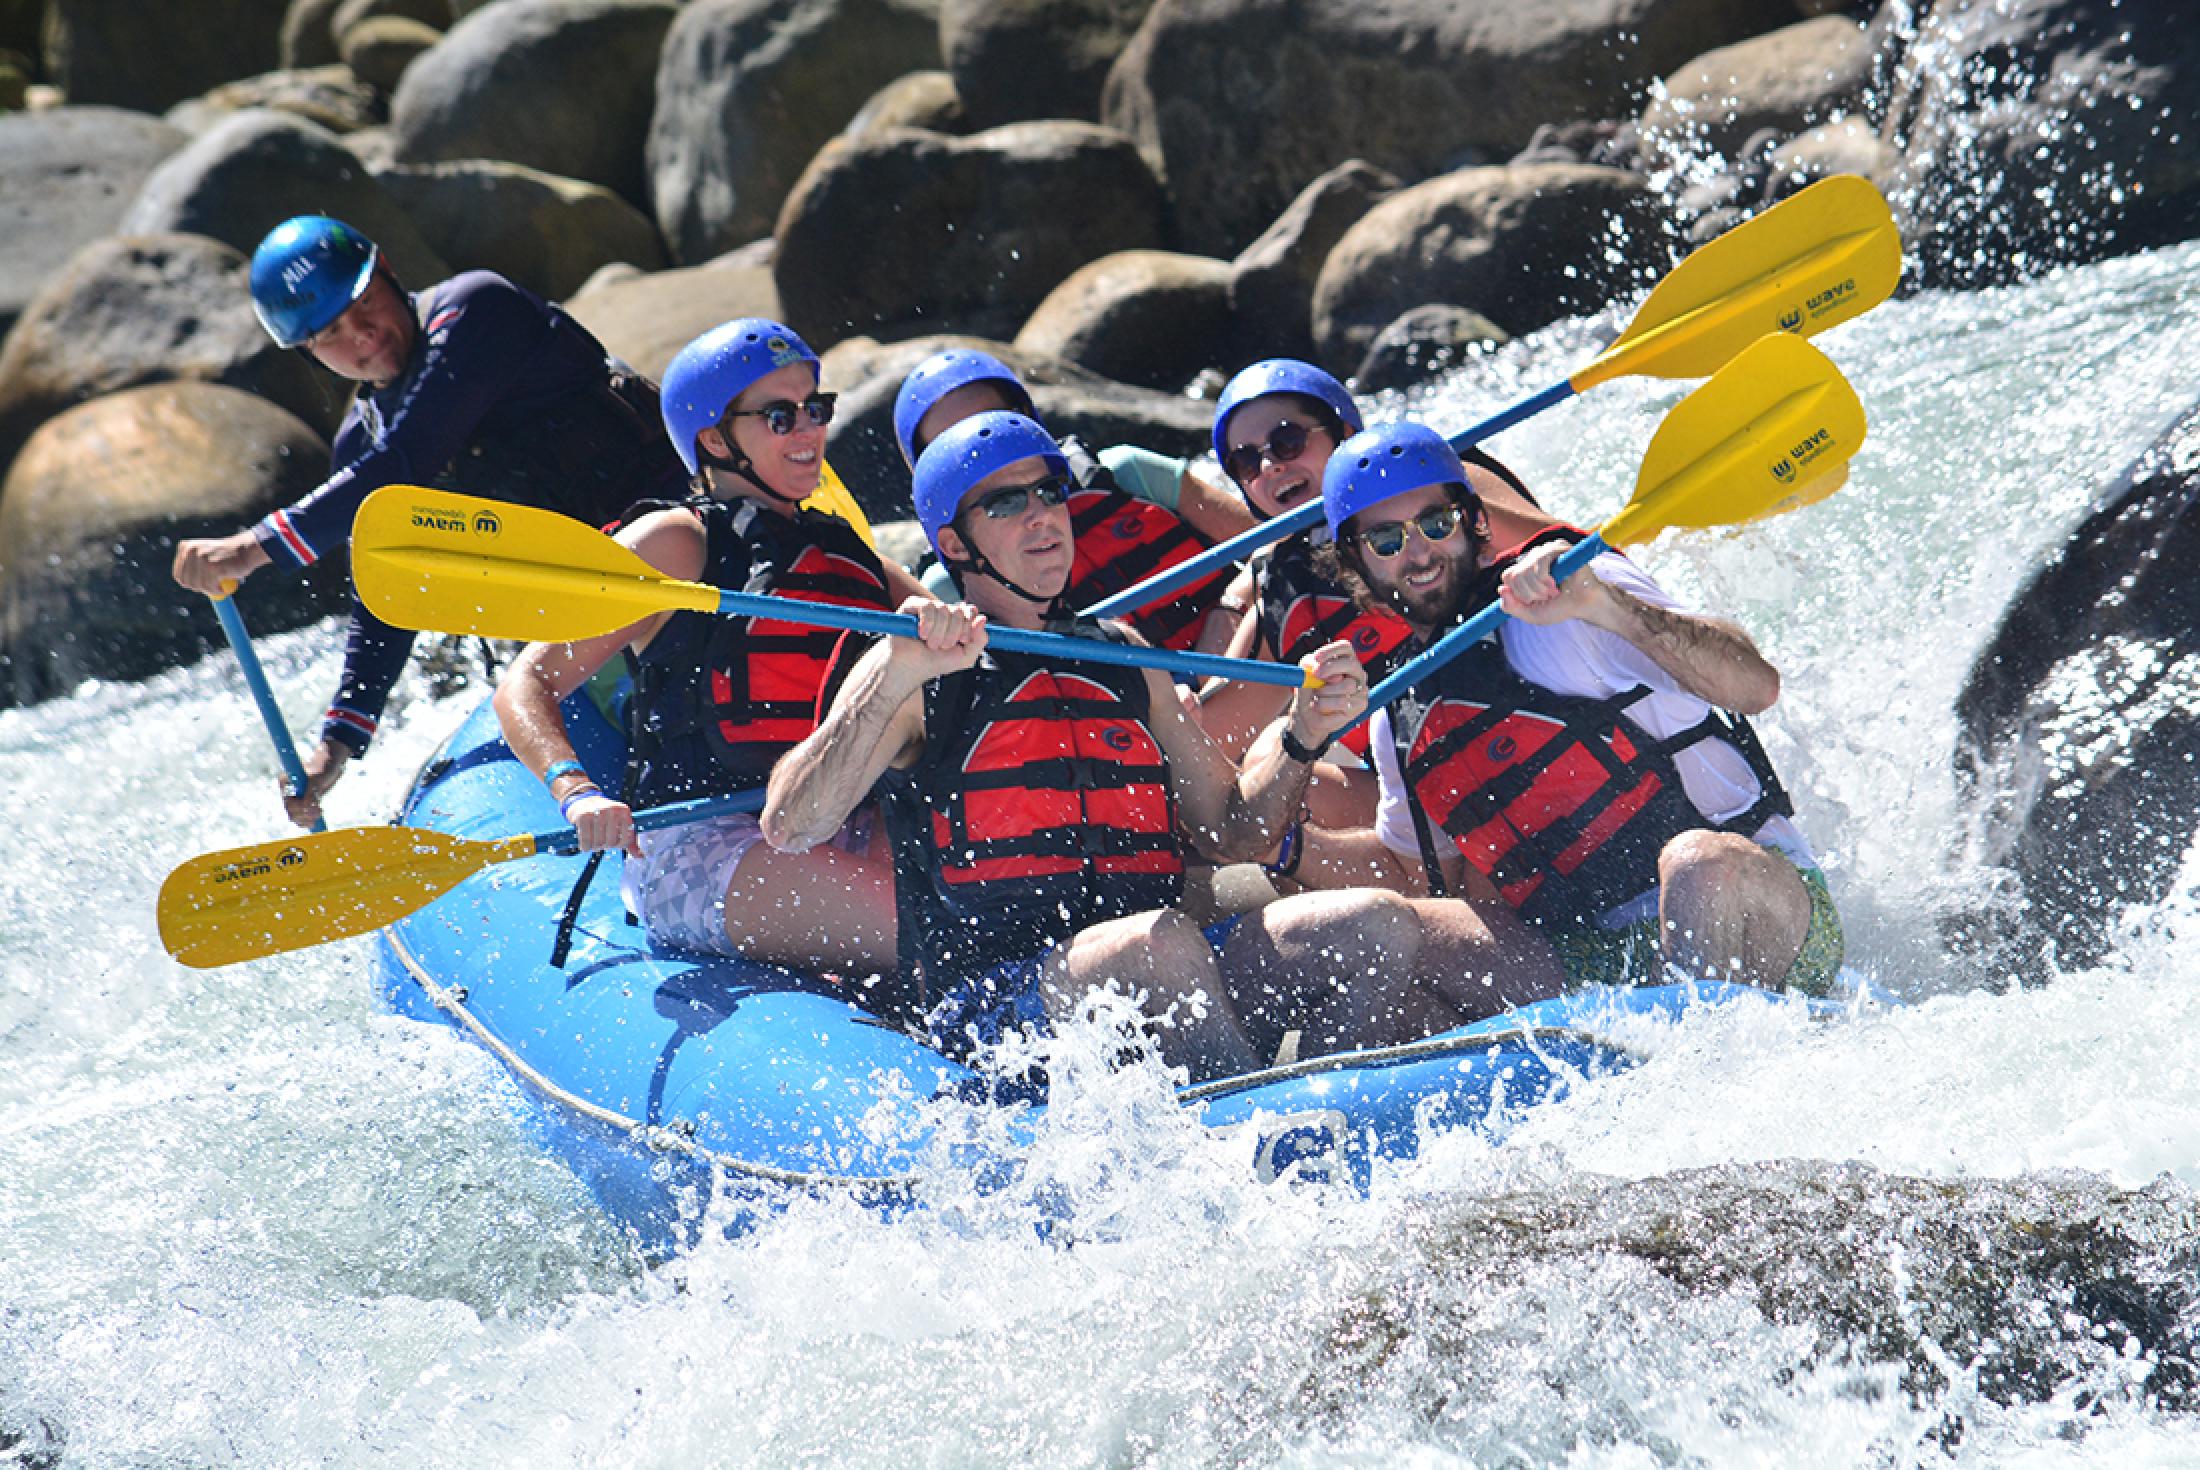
568, 919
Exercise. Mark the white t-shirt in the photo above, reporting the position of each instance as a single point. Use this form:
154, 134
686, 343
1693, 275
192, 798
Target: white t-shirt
1575, 658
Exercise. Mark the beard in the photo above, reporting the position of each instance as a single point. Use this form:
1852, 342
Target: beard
1434, 605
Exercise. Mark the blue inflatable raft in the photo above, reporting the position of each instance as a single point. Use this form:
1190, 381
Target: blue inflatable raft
655, 1073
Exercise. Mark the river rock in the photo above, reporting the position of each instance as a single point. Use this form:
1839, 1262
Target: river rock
1788, 80
565, 86
1850, 146
380, 49
922, 99
135, 309
911, 230
434, 14
1414, 86
646, 319
66, 178
1272, 291
749, 90
129, 53
307, 38
2080, 721
242, 177
1522, 246
1426, 341
1016, 60
1147, 317
89, 518
2047, 132
867, 375
548, 234
333, 97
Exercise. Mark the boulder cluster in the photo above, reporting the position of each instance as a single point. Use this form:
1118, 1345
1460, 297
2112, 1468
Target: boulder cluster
1128, 196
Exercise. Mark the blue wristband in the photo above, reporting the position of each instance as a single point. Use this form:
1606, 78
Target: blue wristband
563, 768
565, 807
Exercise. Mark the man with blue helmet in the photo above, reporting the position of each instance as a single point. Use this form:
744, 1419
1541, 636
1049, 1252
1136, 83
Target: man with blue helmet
1042, 809
717, 700
473, 385
1581, 765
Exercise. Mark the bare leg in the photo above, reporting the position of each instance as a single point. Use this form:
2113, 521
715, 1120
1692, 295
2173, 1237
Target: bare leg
1483, 958
823, 909
1340, 967
1731, 910
1163, 956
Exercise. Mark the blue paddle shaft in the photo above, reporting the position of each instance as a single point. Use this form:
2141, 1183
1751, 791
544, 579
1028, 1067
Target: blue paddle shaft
1291, 522
1016, 640
566, 840
255, 679
1471, 632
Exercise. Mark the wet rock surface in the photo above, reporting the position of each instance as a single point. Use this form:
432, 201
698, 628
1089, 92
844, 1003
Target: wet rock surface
549, 234
67, 178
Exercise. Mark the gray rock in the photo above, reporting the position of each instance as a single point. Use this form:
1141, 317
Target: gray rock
66, 178
1849, 146
1425, 343
128, 53
92, 508
548, 234
1242, 102
565, 86
1523, 246
380, 48
1147, 317
912, 231
645, 320
1016, 60
306, 38
1272, 292
434, 14
922, 99
130, 310
244, 176
749, 90
333, 97
1791, 79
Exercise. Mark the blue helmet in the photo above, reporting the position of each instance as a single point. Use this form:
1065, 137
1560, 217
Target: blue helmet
1387, 460
307, 273
1283, 375
966, 454
941, 374
712, 371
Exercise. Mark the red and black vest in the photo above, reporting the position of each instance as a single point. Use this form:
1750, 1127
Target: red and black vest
1041, 806
1564, 802
1121, 541
1300, 610
718, 700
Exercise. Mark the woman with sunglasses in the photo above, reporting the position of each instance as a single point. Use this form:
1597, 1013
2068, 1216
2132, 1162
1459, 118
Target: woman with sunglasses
717, 700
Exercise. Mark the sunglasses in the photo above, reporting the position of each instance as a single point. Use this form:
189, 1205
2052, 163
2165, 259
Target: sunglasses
779, 417
1003, 504
1285, 442
1432, 525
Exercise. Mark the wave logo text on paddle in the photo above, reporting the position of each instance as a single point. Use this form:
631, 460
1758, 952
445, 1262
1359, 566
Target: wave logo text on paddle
1803, 454
258, 867
435, 518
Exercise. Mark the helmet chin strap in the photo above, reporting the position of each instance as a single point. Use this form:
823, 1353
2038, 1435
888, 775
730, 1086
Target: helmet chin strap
1053, 609
742, 465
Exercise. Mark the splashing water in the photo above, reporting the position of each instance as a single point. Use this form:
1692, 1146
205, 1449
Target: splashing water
249, 1219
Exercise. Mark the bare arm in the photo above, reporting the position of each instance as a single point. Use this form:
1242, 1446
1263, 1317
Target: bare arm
1233, 711
1213, 510
1710, 658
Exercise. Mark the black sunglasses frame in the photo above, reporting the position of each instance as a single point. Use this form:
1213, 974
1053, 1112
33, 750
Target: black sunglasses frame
1456, 516
1284, 444
779, 415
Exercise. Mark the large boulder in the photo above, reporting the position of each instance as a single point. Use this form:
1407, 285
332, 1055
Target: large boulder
749, 90
90, 514
548, 234
2045, 131
921, 99
1523, 246
566, 86
646, 319
1148, 317
1016, 60
910, 230
138, 309
379, 49
867, 375
1244, 101
1787, 80
1272, 290
1426, 342
434, 13
241, 178
66, 178
333, 97
307, 37
129, 53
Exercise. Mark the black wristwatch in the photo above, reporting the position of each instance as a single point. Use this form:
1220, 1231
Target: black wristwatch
1300, 753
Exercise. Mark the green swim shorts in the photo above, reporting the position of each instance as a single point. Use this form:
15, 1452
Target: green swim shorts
1630, 956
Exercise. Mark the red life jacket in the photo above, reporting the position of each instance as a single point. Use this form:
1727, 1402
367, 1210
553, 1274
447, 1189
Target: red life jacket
1300, 610
1562, 801
718, 700
1121, 541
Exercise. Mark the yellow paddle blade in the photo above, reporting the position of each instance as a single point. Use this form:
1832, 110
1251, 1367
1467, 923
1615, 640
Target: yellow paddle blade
832, 497
431, 560
1774, 430
250, 902
1819, 258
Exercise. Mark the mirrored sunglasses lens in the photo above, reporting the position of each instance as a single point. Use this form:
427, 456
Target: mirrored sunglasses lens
1384, 541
